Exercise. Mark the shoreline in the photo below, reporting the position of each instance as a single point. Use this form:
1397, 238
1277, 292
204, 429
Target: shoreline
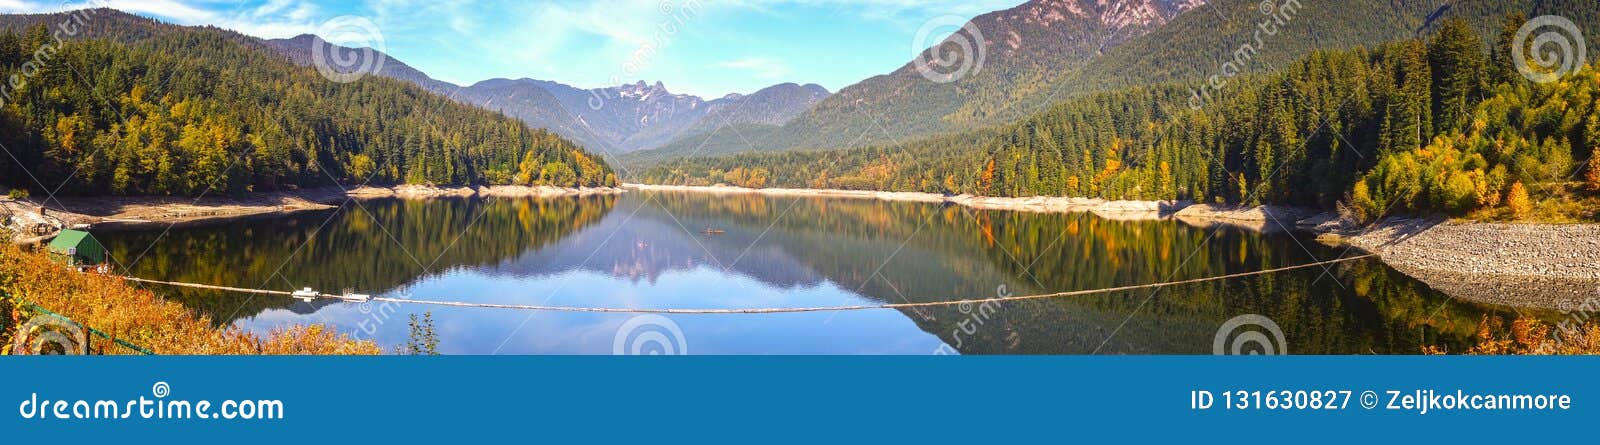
144, 211
1476, 261
1263, 218
1123, 210
1550, 266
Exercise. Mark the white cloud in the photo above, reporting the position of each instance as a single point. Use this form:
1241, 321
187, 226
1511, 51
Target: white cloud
586, 42
171, 9
762, 67
275, 18
15, 6
904, 12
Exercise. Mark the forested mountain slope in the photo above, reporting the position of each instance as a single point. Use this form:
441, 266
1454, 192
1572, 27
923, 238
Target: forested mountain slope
1444, 126
139, 107
994, 60
1222, 38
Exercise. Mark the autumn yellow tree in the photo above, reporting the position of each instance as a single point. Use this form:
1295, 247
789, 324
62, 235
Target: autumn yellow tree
588, 170
1519, 203
1592, 179
528, 171
362, 167
1165, 179
821, 182
1359, 206
986, 180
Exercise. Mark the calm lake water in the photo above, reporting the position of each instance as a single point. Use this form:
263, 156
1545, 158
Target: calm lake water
652, 250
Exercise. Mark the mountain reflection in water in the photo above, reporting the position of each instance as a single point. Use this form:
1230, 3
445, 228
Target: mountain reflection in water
654, 250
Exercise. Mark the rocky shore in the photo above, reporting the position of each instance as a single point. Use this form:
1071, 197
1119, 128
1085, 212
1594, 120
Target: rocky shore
1553, 266
1542, 250
119, 211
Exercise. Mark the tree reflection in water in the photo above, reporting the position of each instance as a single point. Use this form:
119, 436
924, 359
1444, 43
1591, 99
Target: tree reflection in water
886, 252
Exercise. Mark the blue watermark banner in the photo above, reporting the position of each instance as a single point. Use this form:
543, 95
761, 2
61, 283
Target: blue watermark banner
794, 399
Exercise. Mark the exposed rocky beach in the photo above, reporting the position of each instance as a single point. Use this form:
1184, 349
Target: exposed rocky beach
1553, 266
69, 212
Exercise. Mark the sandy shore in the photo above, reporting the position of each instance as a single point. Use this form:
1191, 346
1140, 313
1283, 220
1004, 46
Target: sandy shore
1269, 218
496, 191
161, 211
1121, 210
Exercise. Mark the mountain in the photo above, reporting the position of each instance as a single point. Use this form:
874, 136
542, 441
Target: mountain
616, 120
1194, 47
757, 113
774, 105
1442, 124
638, 116
300, 50
1024, 50
1186, 48
178, 110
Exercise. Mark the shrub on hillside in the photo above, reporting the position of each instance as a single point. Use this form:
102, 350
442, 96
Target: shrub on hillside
140, 317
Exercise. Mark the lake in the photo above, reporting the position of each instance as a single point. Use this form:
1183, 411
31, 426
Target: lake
686, 250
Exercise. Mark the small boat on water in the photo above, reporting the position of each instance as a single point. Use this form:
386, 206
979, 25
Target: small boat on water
710, 231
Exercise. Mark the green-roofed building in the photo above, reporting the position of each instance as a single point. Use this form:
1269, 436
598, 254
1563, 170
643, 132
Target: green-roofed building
77, 248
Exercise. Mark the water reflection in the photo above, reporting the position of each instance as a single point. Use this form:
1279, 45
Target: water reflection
687, 250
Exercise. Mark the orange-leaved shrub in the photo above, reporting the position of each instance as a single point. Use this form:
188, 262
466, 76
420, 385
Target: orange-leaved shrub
1531, 337
138, 316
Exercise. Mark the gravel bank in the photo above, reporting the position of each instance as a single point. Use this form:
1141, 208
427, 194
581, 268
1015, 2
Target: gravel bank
1570, 251
1541, 265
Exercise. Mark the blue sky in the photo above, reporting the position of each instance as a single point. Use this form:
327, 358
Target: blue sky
703, 47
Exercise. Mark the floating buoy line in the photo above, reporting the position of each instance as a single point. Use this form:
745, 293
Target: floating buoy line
309, 295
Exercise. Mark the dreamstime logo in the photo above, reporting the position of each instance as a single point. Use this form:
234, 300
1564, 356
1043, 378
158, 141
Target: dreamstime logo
374, 317
50, 334
649, 334
145, 408
1572, 325
161, 390
972, 319
1249, 329
961, 54
365, 56
71, 25
1558, 51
